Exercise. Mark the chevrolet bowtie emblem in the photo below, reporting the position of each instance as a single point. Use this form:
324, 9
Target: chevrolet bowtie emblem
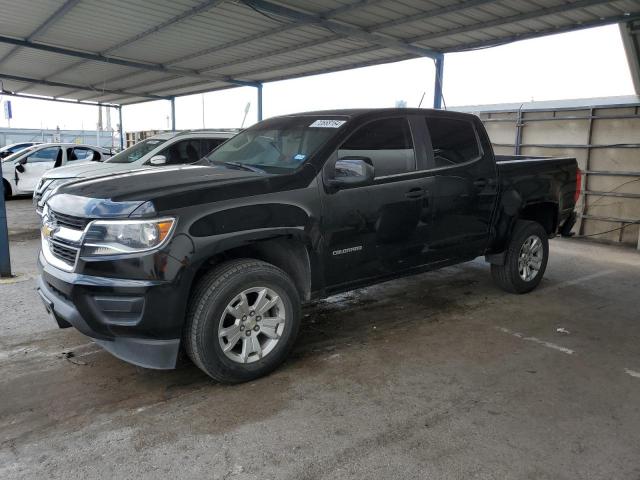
47, 230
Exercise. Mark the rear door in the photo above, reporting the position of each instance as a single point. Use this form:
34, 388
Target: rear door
465, 187
36, 165
379, 229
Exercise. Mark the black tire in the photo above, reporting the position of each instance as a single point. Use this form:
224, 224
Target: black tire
6, 189
507, 276
208, 302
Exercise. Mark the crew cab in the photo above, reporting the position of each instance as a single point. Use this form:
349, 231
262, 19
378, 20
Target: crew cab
169, 148
21, 171
217, 260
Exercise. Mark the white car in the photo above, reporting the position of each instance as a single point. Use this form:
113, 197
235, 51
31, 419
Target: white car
21, 171
171, 148
15, 148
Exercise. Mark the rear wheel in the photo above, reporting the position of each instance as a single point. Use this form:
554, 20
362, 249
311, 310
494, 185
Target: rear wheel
242, 320
526, 259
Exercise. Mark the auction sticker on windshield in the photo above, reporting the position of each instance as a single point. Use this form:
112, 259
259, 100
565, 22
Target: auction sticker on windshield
327, 123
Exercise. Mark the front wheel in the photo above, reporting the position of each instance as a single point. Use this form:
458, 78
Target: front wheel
242, 320
526, 259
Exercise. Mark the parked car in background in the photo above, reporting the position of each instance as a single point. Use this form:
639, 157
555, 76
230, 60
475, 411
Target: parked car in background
171, 148
15, 148
21, 171
217, 259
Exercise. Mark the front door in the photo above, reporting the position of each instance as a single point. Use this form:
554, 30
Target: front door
379, 229
35, 166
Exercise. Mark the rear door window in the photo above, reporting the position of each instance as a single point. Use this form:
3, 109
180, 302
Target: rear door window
386, 142
454, 141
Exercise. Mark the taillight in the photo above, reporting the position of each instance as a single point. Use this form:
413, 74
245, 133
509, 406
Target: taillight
578, 185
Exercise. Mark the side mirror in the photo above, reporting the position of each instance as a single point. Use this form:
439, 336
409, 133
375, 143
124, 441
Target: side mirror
352, 172
20, 167
158, 160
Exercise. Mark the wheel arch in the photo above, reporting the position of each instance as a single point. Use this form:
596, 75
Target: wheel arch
544, 213
287, 252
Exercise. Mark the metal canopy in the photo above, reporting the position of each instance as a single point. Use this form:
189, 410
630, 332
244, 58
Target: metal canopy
120, 53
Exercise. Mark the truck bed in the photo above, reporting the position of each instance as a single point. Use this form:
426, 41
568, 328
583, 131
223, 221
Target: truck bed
540, 180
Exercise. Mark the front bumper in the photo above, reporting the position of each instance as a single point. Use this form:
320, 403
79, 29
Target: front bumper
138, 321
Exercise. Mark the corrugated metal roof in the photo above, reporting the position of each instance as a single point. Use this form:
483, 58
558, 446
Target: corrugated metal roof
546, 105
127, 51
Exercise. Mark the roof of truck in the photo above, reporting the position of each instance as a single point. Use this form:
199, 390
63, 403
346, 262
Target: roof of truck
356, 112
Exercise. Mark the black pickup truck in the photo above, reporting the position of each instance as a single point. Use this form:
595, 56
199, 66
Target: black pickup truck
217, 258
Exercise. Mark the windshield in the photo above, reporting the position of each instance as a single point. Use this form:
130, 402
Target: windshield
136, 152
278, 145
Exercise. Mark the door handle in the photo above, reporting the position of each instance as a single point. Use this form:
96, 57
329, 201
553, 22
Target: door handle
480, 183
415, 193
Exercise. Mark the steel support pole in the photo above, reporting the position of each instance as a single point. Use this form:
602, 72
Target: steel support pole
259, 87
121, 128
5, 259
437, 91
519, 126
173, 113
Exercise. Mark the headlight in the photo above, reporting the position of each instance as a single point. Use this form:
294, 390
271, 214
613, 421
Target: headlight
57, 182
50, 184
121, 237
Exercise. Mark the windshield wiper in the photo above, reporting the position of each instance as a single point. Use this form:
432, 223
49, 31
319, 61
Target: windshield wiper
242, 166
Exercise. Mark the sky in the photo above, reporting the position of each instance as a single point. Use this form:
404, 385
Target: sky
582, 64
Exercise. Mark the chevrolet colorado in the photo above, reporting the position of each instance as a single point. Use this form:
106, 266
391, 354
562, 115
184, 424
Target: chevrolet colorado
216, 259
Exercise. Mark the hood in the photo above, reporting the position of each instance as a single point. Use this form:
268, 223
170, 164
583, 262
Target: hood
163, 190
160, 189
89, 169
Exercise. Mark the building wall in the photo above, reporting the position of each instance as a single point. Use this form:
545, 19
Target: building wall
89, 137
605, 139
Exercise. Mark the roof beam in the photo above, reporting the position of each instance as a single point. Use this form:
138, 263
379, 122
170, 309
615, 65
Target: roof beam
341, 28
549, 31
60, 100
631, 40
97, 57
275, 31
185, 15
43, 27
257, 36
434, 12
497, 22
79, 87
520, 17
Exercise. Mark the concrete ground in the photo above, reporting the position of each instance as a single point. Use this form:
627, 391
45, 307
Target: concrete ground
440, 375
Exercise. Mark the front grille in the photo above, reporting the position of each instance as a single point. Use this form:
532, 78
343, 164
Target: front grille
69, 221
64, 252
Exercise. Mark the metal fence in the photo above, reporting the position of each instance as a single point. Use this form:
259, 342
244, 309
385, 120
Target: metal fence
604, 138
90, 137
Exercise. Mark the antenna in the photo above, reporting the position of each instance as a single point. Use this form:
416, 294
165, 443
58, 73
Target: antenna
246, 110
421, 99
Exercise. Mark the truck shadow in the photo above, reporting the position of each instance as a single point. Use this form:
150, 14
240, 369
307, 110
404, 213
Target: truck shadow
52, 391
